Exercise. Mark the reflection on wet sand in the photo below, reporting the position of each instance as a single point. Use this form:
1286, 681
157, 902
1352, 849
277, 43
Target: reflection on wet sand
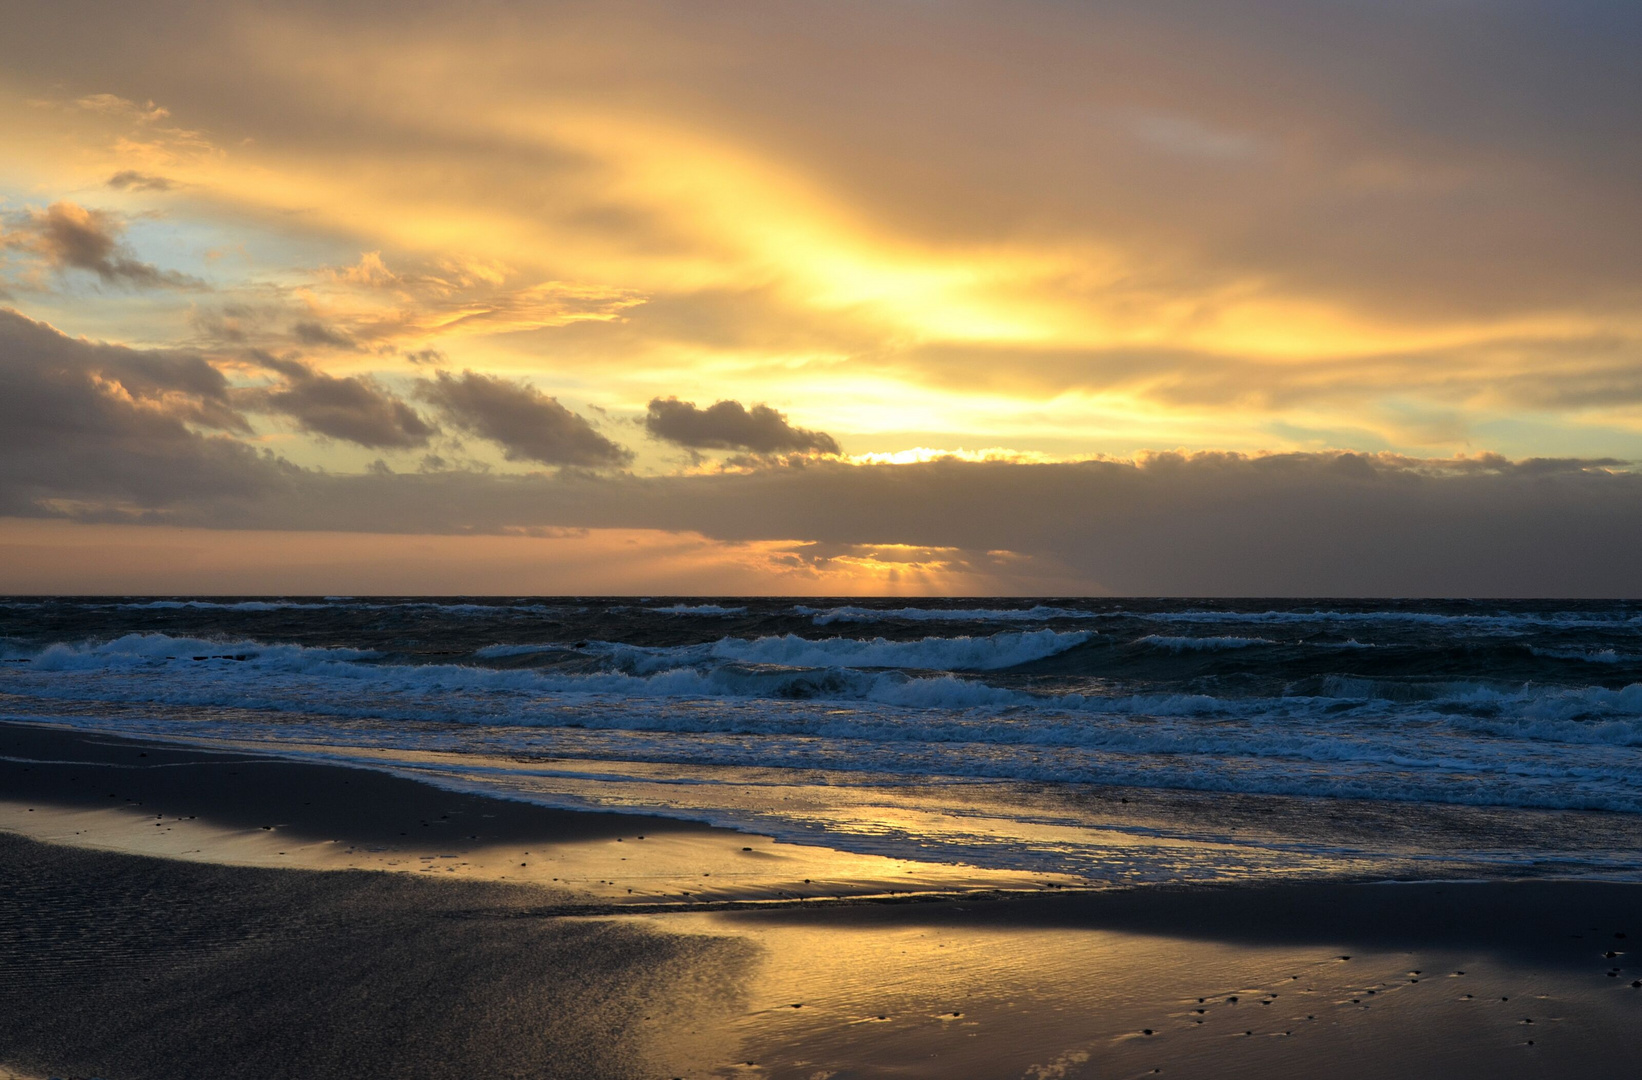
706, 866
734, 955
938, 996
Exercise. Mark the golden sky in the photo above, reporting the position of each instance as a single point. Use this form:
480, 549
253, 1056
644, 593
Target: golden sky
473, 246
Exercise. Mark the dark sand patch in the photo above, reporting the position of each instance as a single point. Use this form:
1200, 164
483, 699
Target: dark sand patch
306, 801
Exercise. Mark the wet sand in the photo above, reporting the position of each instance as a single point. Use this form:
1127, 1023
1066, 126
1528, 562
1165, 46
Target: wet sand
222, 804
1306, 980
124, 966
228, 914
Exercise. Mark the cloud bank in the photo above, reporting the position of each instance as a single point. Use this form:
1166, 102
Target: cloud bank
93, 432
90, 430
1217, 524
1279, 227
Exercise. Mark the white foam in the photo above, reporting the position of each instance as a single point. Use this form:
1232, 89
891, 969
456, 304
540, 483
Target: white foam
236, 605
895, 708
964, 653
1591, 656
789, 667
1201, 644
989, 653
1040, 613
496, 652
148, 649
697, 609
1498, 622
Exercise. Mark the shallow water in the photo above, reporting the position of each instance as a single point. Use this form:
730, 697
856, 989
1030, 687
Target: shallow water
1116, 740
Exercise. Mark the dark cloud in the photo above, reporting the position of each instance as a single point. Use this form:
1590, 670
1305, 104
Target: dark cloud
1204, 525
97, 432
351, 408
1217, 524
131, 180
67, 236
727, 425
100, 431
317, 333
527, 424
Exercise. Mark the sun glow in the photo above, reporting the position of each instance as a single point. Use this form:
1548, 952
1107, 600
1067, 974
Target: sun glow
1085, 273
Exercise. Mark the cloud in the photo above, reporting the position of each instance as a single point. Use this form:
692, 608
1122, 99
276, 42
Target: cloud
369, 271
99, 431
114, 105
1210, 181
132, 180
369, 306
1513, 370
1327, 524
67, 236
1189, 138
353, 409
1451, 176
1176, 223
728, 425
317, 333
527, 424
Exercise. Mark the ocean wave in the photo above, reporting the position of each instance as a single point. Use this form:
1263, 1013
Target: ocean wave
249, 674
242, 673
329, 603
147, 650
1040, 613
1498, 622
1201, 644
783, 701
697, 609
498, 652
217, 605
1500, 705
990, 653
898, 725
1590, 656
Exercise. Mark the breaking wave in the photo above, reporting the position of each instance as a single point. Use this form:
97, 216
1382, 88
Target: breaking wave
1493, 705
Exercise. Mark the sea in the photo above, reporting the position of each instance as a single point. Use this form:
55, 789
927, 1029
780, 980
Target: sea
1115, 741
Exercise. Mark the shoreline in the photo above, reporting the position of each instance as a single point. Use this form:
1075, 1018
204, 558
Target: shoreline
262, 964
253, 808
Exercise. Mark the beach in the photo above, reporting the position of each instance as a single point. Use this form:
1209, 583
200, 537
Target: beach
776, 540
130, 955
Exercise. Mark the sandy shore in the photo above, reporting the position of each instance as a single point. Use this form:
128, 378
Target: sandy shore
172, 912
226, 805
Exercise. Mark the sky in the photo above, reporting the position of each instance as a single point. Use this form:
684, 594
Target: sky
911, 296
